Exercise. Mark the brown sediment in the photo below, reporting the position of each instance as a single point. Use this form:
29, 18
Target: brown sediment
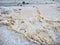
22, 21
52, 21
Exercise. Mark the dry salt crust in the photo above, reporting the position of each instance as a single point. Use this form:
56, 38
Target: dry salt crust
36, 24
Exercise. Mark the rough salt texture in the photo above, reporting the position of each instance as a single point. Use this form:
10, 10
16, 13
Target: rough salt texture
30, 25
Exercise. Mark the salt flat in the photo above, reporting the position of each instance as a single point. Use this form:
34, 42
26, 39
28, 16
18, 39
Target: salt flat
30, 25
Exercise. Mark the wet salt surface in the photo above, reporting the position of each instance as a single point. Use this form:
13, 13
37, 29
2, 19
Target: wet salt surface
29, 3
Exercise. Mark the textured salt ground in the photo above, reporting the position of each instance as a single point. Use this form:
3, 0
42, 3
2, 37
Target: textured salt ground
8, 37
